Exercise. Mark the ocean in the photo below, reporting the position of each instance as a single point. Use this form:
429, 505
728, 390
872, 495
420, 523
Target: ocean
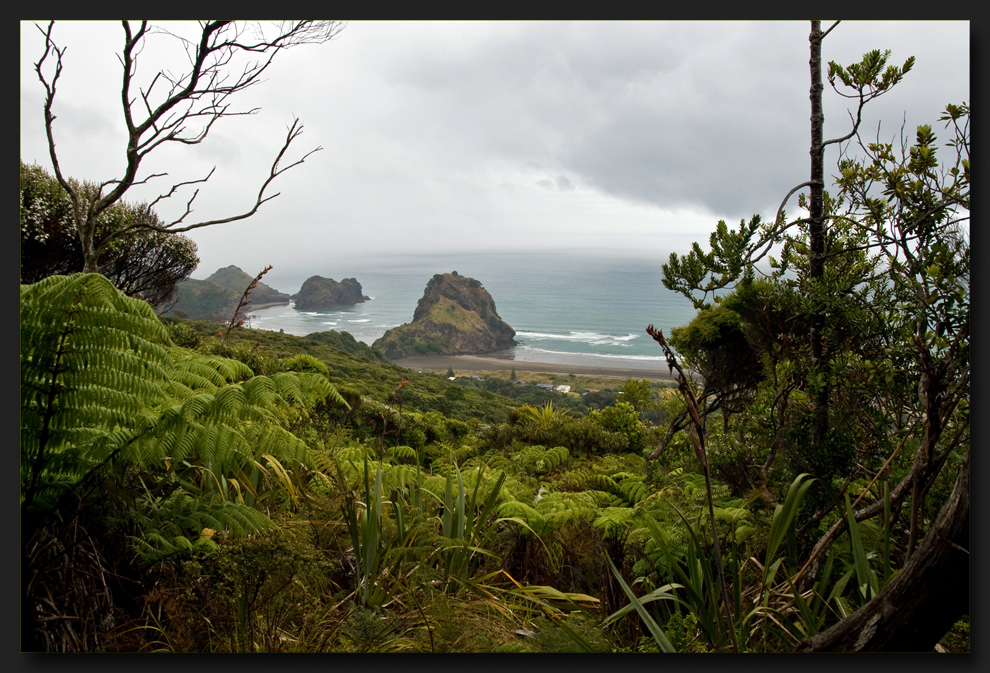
581, 308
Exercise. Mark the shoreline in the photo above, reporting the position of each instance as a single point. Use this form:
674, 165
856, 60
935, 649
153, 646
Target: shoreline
483, 363
251, 307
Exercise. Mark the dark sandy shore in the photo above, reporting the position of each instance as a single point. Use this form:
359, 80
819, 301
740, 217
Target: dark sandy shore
488, 363
251, 307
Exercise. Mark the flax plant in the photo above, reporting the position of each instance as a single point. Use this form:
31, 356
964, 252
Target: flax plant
466, 525
364, 524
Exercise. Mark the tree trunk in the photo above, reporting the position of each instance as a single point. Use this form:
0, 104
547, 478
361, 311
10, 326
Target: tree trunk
923, 601
816, 237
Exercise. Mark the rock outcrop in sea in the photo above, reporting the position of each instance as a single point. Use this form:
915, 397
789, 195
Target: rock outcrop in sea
455, 316
319, 293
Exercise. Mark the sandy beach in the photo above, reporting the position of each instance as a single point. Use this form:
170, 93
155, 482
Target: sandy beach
251, 307
480, 363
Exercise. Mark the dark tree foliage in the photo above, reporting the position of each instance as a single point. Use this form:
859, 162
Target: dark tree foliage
147, 264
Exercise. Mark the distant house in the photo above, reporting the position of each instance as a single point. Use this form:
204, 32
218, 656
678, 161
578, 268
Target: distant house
563, 389
544, 386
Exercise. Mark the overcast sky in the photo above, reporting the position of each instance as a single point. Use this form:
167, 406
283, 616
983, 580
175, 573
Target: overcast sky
496, 135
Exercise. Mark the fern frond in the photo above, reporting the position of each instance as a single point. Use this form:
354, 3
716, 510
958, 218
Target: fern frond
200, 372
404, 454
91, 360
558, 455
602, 482
539, 460
633, 488
348, 464
401, 478
612, 520
305, 388
224, 370
731, 514
560, 508
102, 385
176, 524
282, 444
514, 509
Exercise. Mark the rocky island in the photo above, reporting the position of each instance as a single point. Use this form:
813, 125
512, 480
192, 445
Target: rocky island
319, 293
455, 316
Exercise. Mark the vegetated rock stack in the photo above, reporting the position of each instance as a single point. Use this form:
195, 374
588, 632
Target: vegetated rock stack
455, 316
319, 293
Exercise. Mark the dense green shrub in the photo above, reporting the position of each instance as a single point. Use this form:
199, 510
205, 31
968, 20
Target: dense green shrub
622, 418
305, 363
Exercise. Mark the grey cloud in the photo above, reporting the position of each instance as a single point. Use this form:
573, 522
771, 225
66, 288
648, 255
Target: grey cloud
630, 108
459, 134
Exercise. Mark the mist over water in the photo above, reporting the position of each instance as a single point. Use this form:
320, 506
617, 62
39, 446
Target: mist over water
567, 308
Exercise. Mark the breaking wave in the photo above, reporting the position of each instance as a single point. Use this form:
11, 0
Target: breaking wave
592, 338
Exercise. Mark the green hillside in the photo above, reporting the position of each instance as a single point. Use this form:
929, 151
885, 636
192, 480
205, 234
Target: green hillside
216, 297
305, 494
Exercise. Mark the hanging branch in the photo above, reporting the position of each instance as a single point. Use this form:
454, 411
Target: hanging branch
237, 318
689, 398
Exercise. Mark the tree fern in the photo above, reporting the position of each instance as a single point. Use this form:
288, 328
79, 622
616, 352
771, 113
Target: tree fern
92, 362
103, 389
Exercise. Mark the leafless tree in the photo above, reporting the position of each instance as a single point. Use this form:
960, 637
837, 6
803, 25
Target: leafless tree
177, 109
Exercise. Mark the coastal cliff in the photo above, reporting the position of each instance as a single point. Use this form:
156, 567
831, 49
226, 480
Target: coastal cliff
455, 316
319, 293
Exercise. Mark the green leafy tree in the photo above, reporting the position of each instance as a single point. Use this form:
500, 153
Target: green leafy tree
840, 290
870, 384
639, 394
147, 264
914, 211
735, 254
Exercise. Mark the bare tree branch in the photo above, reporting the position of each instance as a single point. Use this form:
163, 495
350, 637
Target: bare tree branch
179, 108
